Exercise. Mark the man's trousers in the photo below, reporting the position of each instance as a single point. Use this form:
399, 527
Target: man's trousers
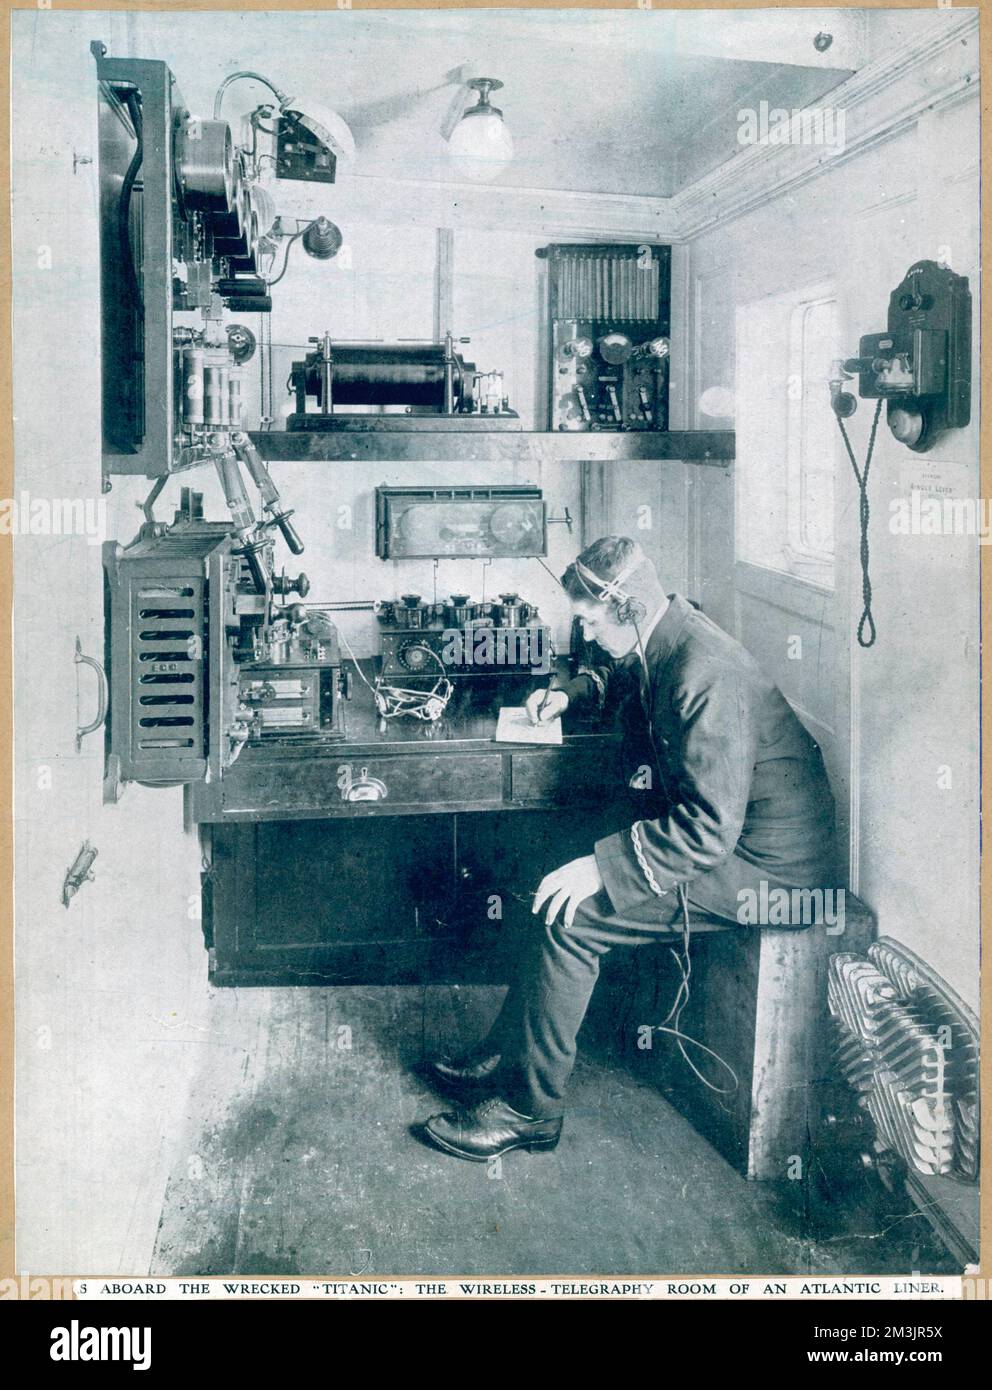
536, 1028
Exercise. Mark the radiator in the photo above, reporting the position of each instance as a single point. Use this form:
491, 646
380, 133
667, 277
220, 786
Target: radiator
909, 1047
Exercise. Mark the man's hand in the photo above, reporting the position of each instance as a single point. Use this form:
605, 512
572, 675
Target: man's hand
557, 703
569, 885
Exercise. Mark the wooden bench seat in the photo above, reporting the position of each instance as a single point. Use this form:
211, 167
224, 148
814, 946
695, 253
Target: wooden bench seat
758, 998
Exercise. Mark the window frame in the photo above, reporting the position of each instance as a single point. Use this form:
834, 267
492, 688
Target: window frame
796, 545
791, 555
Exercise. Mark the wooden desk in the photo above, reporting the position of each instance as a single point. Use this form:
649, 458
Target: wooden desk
432, 881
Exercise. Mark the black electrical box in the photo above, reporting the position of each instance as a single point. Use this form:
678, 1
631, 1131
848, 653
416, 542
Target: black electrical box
301, 156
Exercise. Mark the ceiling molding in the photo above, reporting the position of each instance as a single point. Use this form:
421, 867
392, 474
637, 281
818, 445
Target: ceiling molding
356, 198
938, 66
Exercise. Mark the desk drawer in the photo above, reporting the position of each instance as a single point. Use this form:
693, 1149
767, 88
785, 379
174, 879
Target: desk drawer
364, 785
564, 776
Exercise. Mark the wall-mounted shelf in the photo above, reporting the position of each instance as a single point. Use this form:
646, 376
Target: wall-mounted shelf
711, 447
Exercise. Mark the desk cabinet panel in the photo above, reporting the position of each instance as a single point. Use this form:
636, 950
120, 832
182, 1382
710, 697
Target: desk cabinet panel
565, 776
420, 899
315, 787
308, 901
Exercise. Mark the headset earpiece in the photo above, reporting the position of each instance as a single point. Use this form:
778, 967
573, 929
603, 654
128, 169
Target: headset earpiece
631, 610
628, 609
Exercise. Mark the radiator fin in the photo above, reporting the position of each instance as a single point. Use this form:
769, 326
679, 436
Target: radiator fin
909, 1048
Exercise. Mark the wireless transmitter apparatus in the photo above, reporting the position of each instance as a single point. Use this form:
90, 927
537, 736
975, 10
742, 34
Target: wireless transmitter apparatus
208, 643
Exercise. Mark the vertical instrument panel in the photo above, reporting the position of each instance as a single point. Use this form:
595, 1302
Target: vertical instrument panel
178, 235
159, 656
135, 120
609, 309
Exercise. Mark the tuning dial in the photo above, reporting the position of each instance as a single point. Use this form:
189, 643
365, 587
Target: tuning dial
577, 347
415, 657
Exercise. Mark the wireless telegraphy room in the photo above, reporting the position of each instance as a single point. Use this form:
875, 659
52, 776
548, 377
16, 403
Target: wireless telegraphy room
496, 529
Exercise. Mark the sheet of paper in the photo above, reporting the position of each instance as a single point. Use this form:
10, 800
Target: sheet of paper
515, 727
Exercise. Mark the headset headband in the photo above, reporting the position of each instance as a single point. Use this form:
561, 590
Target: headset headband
609, 588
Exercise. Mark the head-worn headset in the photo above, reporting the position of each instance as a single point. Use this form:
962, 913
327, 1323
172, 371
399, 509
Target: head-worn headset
629, 608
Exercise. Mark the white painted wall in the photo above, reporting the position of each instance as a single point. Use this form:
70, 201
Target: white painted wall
909, 707
111, 992
385, 289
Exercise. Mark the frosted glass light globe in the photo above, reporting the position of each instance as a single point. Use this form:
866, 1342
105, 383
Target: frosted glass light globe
481, 146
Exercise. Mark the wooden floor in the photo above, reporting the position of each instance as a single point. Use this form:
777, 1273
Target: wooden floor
297, 1158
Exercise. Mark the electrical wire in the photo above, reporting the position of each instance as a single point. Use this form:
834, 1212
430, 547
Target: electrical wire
867, 621
248, 75
549, 570
392, 701
294, 236
264, 407
133, 103
285, 260
271, 411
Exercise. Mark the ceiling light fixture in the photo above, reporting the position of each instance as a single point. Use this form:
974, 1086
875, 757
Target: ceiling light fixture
481, 146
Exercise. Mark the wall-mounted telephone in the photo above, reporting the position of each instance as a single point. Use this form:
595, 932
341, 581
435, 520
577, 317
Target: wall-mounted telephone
921, 366
921, 369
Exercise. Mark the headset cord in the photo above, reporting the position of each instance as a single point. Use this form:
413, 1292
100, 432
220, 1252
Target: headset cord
671, 1024
411, 702
867, 621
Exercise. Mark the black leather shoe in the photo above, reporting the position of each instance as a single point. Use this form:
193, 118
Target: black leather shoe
465, 1076
489, 1129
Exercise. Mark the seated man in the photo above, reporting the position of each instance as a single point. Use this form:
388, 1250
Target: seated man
743, 799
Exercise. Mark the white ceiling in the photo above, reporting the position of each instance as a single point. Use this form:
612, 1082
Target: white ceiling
639, 102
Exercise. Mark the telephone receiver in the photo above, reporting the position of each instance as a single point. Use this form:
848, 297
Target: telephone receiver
921, 366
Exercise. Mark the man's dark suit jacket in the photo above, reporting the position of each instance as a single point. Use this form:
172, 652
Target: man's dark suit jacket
744, 796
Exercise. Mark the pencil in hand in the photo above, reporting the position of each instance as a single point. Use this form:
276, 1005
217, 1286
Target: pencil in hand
552, 685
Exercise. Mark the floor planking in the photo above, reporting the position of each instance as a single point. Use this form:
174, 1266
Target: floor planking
297, 1158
